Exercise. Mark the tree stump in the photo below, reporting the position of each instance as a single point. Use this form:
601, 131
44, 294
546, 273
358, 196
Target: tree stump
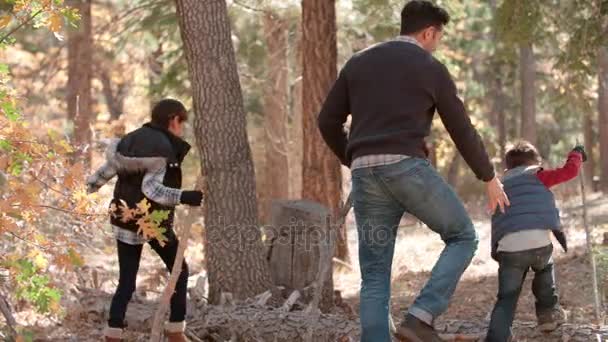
298, 233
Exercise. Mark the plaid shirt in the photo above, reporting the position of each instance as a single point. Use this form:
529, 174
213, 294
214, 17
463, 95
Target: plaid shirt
376, 160
152, 187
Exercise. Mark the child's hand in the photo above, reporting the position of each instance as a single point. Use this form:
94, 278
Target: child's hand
580, 149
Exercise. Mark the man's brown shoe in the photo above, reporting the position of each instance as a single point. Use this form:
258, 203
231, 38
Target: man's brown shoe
414, 330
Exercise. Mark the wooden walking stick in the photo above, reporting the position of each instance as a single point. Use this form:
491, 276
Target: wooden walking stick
157, 326
596, 297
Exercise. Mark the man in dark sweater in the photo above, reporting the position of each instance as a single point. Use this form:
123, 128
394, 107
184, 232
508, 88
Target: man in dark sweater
392, 91
147, 162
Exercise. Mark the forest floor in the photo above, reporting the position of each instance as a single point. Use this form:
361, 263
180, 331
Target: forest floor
88, 292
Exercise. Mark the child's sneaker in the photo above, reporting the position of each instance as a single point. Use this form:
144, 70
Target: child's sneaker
550, 320
415, 330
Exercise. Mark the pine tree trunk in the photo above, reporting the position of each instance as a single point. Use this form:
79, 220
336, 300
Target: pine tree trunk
527, 67
296, 138
603, 117
80, 72
233, 246
155, 70
114, 94
321, 175
498, 110
276, 174
590, 140
499, 101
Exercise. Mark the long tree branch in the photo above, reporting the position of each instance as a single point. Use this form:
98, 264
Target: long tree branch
20, 26
73, 213
27, 241
251, 8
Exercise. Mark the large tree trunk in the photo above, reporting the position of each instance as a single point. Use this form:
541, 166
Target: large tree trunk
499, 101
603, 117
295, 135
80, 72
276, 166
527, 67
113, 93
233, 245
321, 174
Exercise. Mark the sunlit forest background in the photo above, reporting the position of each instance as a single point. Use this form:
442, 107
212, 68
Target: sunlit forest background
76, 74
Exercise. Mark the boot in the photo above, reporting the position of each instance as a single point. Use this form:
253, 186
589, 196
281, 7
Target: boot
112, 334
414, 330
550, 320
174, 331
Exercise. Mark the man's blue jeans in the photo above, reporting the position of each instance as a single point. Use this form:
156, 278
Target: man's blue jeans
511, 275
381, 195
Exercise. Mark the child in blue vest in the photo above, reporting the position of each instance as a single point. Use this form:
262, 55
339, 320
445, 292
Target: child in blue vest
521, 237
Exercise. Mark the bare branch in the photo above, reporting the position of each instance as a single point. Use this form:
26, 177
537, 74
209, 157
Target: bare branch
27, 21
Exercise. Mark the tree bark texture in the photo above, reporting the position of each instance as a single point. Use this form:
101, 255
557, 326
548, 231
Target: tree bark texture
80, 72
295, 133
233, 246
321, 171
603, 117
276, 166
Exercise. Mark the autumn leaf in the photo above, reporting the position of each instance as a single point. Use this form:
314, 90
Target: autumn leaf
55, 22
126, 214
144, 206
75, 258
5, 20
74, 175
67, 148
8, 225
38, 259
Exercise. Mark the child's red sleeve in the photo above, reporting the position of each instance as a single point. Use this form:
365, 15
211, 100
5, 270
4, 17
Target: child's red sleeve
564, 173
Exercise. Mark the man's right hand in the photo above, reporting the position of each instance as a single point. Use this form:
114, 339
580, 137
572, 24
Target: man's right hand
192, 197
496, 196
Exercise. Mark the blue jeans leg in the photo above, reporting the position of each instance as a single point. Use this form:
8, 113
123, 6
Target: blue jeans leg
421, 191
511, 275
377, 215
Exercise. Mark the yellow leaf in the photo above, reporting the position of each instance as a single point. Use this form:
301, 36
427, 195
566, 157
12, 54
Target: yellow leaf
67, 148
143, 206
5, 20
55, 22
38, 259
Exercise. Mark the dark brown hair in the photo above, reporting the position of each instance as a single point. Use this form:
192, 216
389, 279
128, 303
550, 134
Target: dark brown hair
522, 153
420, 14
165, 110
